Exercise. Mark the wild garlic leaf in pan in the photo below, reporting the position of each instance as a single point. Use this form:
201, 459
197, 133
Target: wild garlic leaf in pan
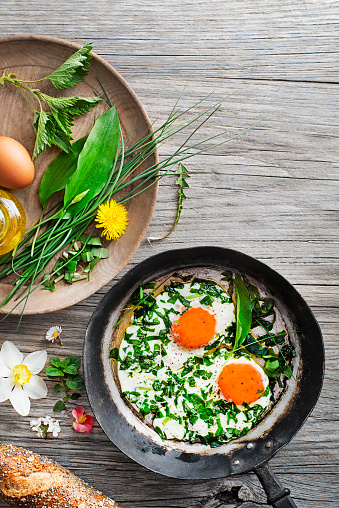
244, 311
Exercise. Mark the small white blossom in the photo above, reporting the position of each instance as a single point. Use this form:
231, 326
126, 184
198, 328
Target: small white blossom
54, 333
46, 425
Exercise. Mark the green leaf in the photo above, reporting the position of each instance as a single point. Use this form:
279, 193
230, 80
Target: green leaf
75, 396
56, 362
100, 252
71, 369
90, 240
114, 354
272, 365
63, 119
48, 133
75, 383
70, 105
54, 372
79, 197
59, 171
91, 265
244, 311
45, 129
47, 284
58, 388
72, 360
73, 70
181, 181
95, 161
59, 406
61, 138
86, 257
70, 268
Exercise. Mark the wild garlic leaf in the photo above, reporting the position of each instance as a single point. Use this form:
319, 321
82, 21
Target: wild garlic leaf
73, 70
95, 161
181, 181
244, 311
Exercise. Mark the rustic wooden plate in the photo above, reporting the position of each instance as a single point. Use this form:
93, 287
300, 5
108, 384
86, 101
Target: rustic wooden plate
34, 57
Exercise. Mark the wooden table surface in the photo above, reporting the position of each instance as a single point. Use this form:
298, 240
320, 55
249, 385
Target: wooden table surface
273, 193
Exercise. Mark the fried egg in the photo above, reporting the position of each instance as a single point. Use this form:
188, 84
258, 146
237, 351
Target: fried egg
177, 370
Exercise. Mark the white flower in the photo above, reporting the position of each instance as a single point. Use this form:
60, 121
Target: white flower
18, 379
46, 425
54, 333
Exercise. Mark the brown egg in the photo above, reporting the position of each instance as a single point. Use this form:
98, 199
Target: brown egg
16, 166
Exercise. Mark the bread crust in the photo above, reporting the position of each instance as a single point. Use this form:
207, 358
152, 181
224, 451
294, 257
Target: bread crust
30, 480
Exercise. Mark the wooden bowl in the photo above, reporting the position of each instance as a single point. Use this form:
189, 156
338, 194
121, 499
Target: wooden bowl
34, 57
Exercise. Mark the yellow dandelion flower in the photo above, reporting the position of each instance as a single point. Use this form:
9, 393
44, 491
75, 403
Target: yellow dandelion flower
112, 216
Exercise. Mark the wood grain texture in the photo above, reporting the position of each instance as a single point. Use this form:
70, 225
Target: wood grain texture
272, 193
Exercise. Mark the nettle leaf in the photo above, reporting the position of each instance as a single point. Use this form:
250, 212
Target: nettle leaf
62, 108
244, 311
95, 161
73, 70
64, 121
75, 105
48, 133
60, 137
61, 115
45, 129
59, 171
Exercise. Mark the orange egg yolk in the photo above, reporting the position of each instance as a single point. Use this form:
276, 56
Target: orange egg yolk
241, 382
195, 328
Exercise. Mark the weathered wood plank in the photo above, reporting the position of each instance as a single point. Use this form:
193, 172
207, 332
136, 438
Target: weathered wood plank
274, 40
271, 193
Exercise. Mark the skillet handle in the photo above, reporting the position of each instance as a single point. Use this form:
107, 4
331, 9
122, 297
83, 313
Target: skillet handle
277, 496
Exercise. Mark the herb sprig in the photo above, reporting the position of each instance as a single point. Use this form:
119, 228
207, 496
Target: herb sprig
66, 372
182, 173
54, 126
128, 177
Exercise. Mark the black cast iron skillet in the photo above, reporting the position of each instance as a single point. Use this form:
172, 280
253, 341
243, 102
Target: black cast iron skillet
184, 460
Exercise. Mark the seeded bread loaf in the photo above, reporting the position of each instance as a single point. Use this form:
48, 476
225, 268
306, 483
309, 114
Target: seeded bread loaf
32, 481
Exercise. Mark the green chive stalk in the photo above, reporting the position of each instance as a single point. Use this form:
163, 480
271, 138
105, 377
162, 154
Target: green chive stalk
35, 252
